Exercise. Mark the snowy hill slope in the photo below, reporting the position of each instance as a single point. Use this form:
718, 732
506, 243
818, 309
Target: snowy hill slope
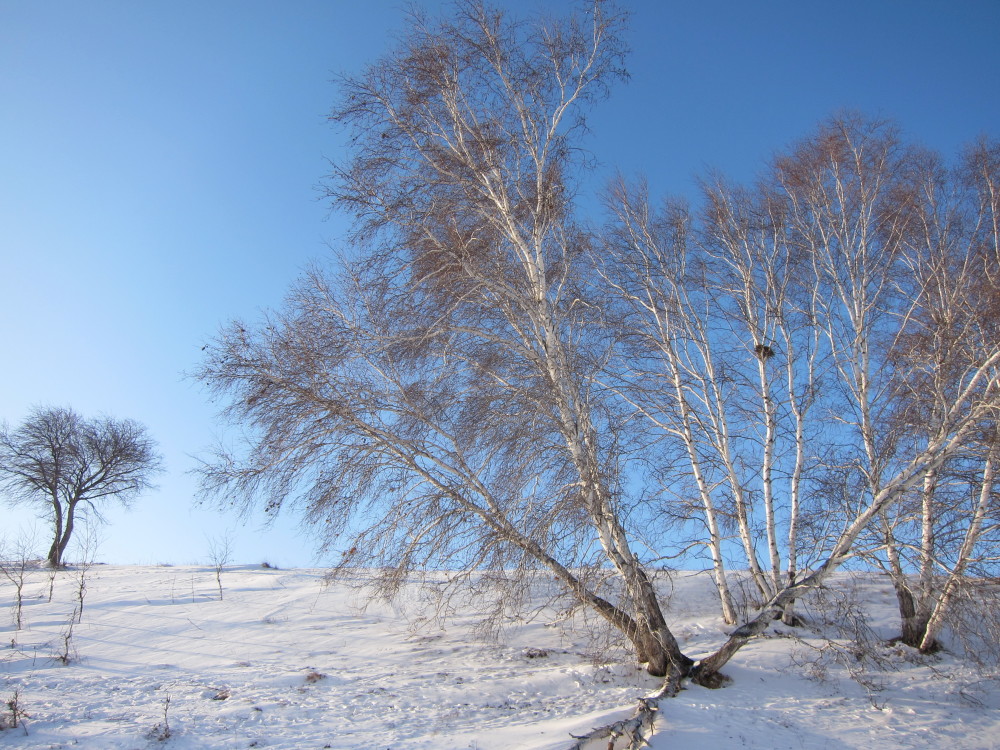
284, 662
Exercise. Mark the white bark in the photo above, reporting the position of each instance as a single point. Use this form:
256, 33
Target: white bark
953, 580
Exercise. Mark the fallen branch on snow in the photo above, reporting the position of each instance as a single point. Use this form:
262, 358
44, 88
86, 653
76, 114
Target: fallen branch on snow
636, 729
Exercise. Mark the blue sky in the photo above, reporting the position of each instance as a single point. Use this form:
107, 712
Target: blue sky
159, 163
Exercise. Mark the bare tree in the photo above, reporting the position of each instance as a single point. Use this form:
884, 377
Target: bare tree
948, 527
86, 549
451, 370
68, 465
474, 387
766, 339
220, 554
849, 193
667, 371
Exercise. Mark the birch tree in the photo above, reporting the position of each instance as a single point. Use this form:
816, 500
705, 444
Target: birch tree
451, 367
950, 521
473, 382
723, 356
765, 340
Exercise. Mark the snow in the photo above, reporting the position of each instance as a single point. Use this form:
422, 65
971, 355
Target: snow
285, 661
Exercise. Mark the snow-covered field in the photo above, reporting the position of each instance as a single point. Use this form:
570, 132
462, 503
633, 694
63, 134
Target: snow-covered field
283, 661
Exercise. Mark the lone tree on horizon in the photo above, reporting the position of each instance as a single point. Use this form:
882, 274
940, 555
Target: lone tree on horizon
67, 464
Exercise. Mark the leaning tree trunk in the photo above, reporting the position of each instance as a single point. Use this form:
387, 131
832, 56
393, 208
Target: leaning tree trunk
669, 661
656, 646
55, 556
705, 672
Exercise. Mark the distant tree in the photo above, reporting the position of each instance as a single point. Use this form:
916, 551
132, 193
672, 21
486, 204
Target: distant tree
69, 465
220, 554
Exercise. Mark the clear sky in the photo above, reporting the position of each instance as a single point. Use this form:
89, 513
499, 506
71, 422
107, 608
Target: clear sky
159, 163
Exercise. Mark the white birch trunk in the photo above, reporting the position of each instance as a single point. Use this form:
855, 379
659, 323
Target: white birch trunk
936, 619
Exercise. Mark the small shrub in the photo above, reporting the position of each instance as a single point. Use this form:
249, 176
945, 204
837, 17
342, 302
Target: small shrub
161, 729
13, 715
68, 652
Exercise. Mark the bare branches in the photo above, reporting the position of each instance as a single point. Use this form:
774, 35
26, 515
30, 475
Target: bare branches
220, 554
440, 395
485, 385
809, 346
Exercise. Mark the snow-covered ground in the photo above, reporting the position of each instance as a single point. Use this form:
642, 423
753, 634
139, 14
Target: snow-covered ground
283, 661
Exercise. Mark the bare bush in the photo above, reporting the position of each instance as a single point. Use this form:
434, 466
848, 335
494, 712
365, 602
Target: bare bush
87, 552
14, 714
17, 562
161, 732
972, 622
